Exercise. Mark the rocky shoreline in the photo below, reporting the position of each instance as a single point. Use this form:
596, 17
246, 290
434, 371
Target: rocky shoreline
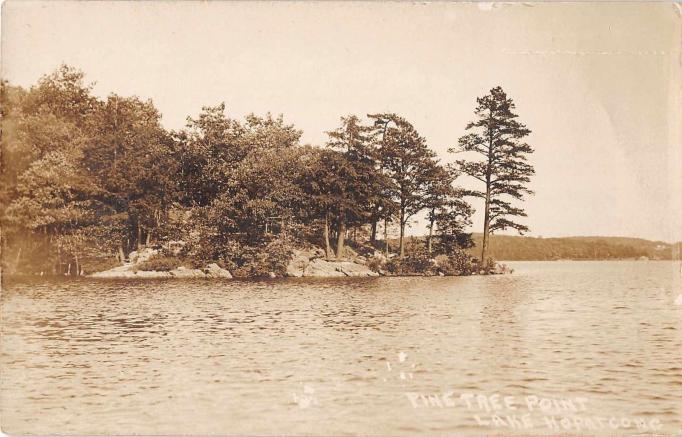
304, 263
128, 271
131, 269
312, 263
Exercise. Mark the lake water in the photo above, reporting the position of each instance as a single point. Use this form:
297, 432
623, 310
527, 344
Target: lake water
595, 344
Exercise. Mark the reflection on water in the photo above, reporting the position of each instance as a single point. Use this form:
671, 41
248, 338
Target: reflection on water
341, 356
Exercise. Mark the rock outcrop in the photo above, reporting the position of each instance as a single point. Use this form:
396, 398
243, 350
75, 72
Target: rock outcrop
142, 255
304, 263
310, 263
324, 269
124, 271
129, 270
215, 271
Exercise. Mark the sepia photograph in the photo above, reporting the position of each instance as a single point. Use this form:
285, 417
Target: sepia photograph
341, 218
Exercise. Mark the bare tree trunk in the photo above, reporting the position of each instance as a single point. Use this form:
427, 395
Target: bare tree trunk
373, 237
157, 223
386, 235
402, 241
486, 218
121, 254
486, 226
430, 243
402, 232
78, 267
327, 245
139, 236
341, 236
59, 261
149, 238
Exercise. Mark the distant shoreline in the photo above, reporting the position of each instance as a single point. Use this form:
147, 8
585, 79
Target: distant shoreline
522, 248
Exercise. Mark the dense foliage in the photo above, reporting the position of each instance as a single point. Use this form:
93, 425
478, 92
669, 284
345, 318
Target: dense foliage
86, 181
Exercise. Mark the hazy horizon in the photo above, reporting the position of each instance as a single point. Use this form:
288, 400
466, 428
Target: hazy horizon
594, 82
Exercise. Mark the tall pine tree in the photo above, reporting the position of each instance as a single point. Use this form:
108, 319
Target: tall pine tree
408, 162
498, 137
362, 183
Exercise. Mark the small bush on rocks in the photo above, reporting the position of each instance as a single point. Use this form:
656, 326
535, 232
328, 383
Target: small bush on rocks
376, 263
272, 259
416, 261
159, 263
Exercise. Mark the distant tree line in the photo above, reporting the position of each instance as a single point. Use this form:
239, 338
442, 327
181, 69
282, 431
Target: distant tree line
514, 248
85, 181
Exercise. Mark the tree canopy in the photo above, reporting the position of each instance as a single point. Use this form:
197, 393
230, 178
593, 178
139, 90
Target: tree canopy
87, 180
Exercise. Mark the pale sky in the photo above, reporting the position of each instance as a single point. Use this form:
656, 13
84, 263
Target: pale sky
598, 84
